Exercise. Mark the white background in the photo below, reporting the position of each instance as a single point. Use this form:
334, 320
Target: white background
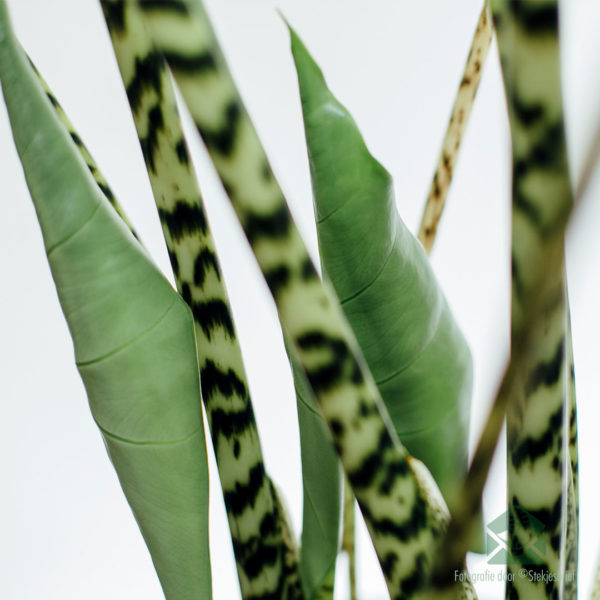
66, 531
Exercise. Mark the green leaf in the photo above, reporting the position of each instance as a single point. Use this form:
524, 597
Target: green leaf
133, 336
85, 153
387, 289
321, 487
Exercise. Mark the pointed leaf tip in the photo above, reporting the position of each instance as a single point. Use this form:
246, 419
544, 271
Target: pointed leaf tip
311, 81
284, 19
354, 170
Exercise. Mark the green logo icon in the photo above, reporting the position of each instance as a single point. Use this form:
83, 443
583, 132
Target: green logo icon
528, 548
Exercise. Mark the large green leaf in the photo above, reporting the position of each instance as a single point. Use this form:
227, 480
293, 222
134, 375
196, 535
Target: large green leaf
387, 289
133, 336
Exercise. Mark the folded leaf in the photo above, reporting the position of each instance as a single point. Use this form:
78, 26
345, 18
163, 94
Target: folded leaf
132, 334
417, 354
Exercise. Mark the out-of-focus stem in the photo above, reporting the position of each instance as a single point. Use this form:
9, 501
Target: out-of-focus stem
455, 131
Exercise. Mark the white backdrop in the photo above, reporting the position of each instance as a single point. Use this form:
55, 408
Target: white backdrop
66, 531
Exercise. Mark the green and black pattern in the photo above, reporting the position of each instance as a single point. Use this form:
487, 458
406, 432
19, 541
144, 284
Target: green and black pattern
539, 466
266, 559
571, 542
400, 515
534, 388
85, 154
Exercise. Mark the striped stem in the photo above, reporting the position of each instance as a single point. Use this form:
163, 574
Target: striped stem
456, 542
534, 390
570, 547
427, 236
85, 154
457, 125
537, 417
266, 564
401, 514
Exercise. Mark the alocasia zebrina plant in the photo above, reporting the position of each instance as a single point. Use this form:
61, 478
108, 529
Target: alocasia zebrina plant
381, 368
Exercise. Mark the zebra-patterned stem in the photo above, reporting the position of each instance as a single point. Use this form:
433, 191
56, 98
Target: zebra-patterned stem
455, 131
497, 415
401, 515
537, 448
266, 560
571, 542
537, 421
570, 549
573, 442
291, 554
427, 234
85, 154
451, 554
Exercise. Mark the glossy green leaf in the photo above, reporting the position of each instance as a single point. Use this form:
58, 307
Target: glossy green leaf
133, 336
387, 289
